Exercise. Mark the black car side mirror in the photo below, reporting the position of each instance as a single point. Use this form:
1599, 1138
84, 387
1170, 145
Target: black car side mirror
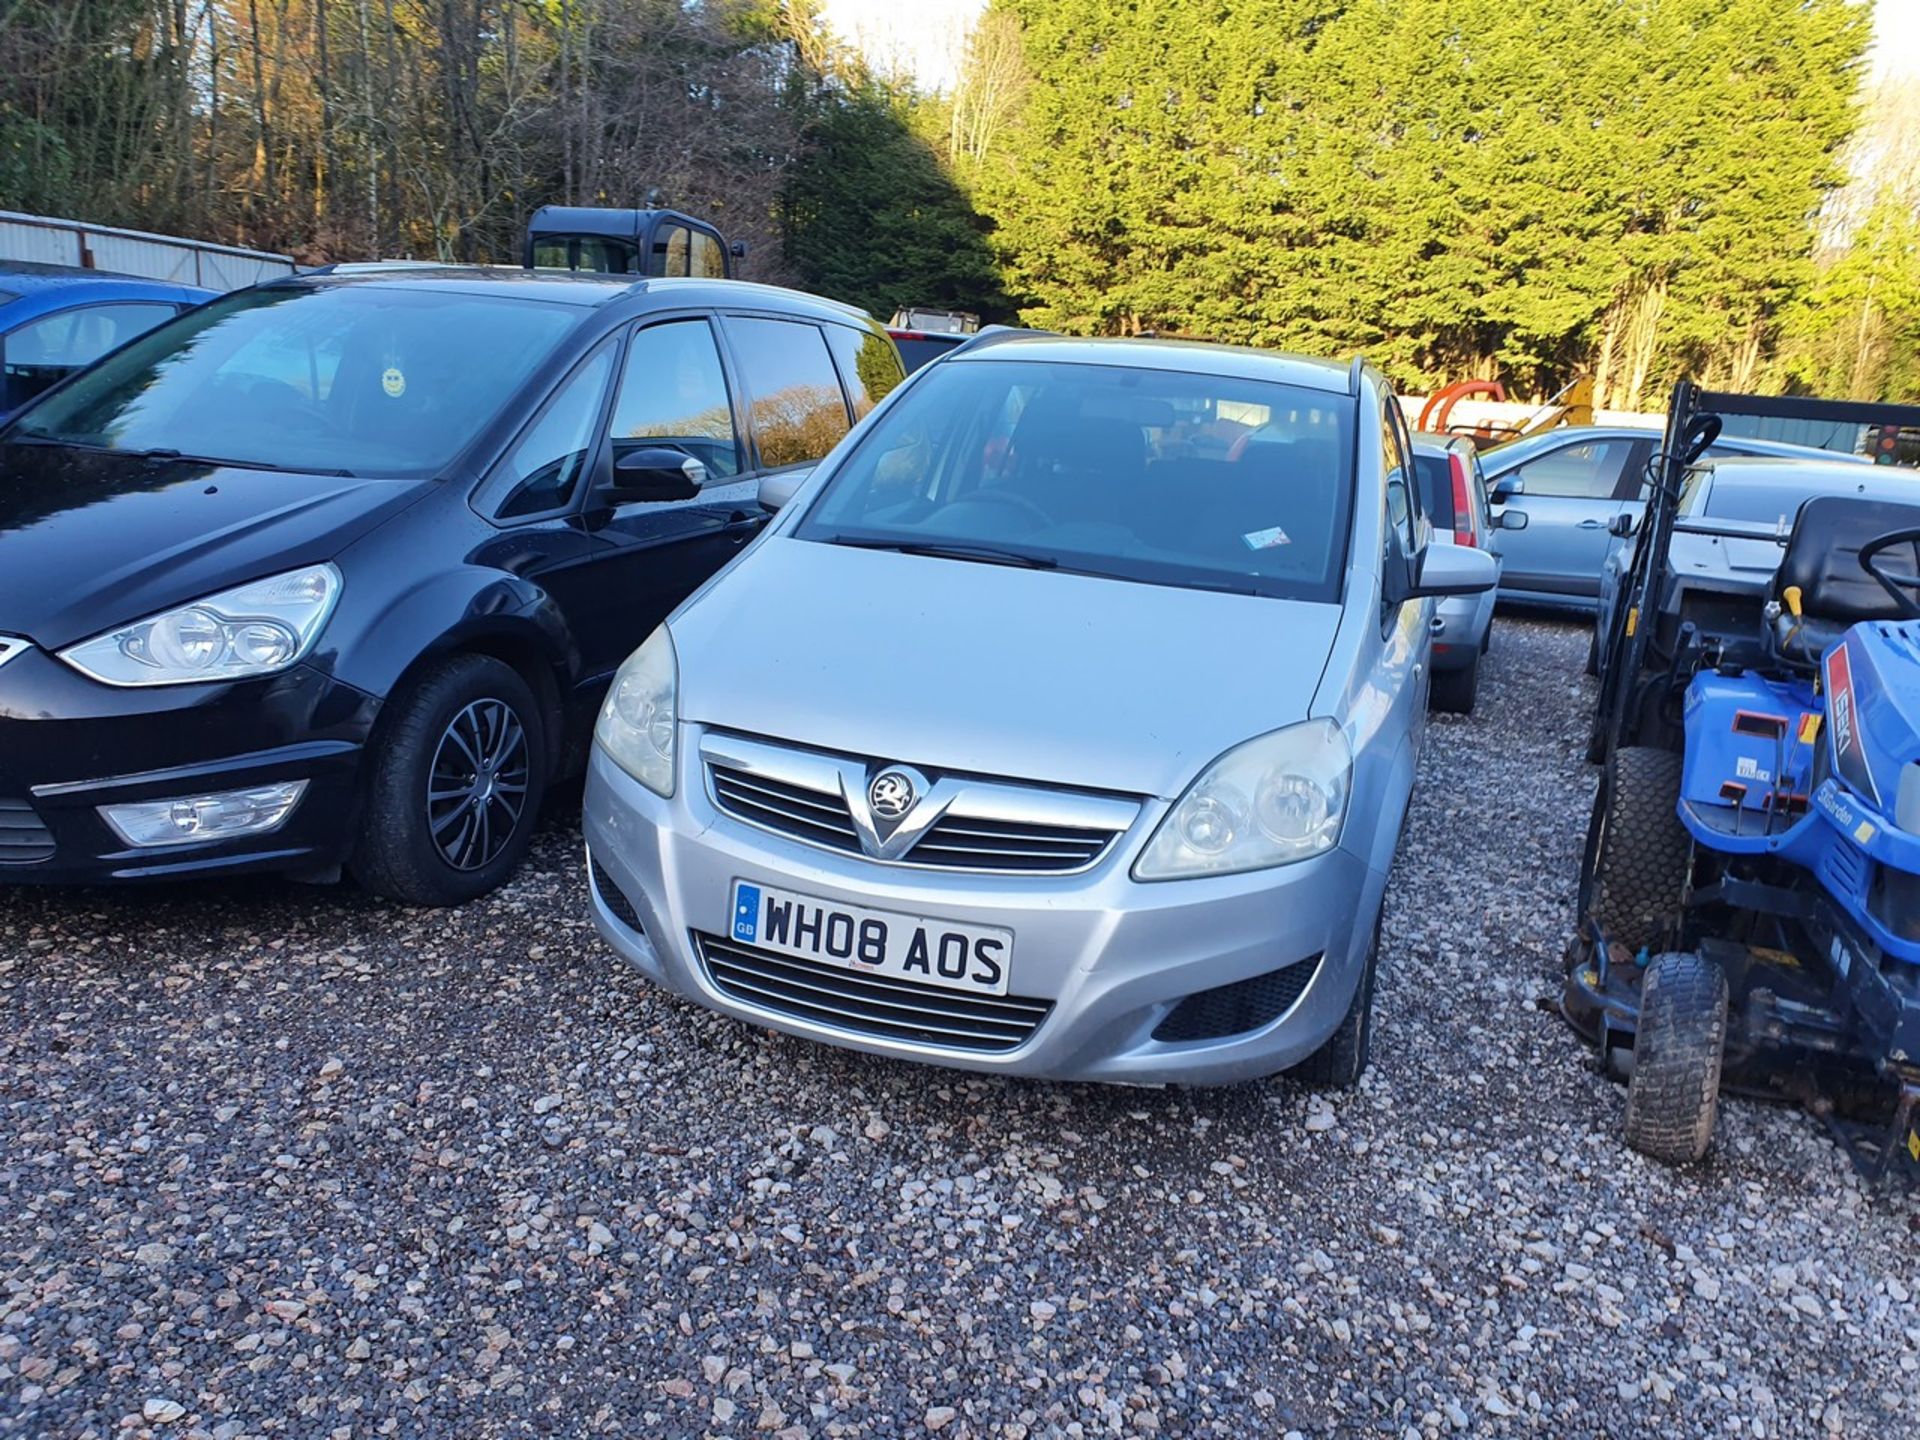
1505, 488
1620, 526
655, 474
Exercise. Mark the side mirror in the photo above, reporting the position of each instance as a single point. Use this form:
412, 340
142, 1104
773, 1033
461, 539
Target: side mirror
1620, 526
738, 249
655, 474
1456, 570
1512, 520
1505, 488
777, 491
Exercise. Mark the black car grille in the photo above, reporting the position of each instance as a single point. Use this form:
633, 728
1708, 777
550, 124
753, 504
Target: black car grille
1237, 1008
614, 898
866, 1004
954, 842
24, 840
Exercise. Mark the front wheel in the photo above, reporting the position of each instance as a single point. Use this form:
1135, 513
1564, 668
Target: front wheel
456, 785
1641, 854
1674, 1094
1339, 1064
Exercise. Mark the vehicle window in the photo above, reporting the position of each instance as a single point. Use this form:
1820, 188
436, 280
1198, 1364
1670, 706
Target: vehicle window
670, 247
919, 350
1161, 477
869, 365
384, 379
586, 252
1400, 503
42, 353
709, 259
798, 413
1435, 474
1589, 470
673, 394
543, 469
1693, 490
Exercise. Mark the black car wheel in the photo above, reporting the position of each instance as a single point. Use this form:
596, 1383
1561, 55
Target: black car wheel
456, 785
1339, 1064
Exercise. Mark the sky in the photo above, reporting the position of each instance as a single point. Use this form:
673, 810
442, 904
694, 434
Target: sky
925, 36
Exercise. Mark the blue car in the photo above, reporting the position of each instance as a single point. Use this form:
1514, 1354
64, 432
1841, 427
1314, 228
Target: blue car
1571, 483
55, 319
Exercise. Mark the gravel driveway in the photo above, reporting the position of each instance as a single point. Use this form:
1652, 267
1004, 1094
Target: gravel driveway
290, 1162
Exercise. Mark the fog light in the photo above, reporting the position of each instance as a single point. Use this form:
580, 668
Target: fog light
190, 818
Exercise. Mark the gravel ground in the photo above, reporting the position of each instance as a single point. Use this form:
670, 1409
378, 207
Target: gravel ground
291, 1162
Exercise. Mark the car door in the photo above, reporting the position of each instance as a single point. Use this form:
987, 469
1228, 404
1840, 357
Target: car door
1405, 633
673, 392
796, 409
38, 354
1570, 493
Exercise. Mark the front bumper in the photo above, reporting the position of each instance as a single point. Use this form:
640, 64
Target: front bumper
69, 745
1112, 956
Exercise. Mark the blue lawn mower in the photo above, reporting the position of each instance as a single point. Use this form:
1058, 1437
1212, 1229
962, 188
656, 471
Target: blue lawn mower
1750, 895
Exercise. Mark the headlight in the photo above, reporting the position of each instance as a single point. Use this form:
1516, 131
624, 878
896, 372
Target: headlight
1272, 801
253, 630
642, 713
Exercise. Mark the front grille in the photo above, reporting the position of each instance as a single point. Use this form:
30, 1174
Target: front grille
984, 825
809, 815
1237, 1008
24, 840
866, 1004
614, 898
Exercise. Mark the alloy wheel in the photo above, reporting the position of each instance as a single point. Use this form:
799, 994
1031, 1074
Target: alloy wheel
477, 785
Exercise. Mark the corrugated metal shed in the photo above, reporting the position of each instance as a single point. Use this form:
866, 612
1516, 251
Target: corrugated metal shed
1820, 434
51, 241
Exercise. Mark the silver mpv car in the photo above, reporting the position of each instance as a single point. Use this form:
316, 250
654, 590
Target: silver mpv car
1062, 724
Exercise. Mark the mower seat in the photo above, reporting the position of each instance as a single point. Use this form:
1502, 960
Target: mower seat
1823, 563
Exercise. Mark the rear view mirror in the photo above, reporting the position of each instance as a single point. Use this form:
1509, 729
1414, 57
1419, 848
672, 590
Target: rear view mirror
777, 491
1512, 520
1620, 526
1505, 488
656, 474
1456, 570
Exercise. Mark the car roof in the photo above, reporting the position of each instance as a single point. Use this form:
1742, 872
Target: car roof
588, 289
1434, 442
1238, 361
31, 280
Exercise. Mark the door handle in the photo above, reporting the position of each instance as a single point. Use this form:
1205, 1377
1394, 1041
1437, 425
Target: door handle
1593, 524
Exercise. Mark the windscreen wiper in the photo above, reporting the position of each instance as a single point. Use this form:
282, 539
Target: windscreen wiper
944, 550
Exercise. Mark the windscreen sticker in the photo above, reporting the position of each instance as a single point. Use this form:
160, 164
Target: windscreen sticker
393, 382
1266, 539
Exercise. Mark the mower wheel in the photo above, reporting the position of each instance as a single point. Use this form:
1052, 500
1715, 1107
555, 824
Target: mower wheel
1643, 852
1675, 1090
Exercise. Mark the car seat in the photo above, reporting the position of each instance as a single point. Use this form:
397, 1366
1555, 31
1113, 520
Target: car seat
1822, 565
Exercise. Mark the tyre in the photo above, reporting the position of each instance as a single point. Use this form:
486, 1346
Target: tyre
1339, 1064
1641, 854
1452, 691
1675, 1090
456, 785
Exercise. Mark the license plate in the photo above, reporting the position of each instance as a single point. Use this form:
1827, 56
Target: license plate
912, 948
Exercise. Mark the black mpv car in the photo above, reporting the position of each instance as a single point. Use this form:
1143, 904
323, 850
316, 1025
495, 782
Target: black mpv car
334, 571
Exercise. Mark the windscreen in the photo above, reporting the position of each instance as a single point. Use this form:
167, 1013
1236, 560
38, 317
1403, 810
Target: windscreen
1148, 475
370, 379
917, 352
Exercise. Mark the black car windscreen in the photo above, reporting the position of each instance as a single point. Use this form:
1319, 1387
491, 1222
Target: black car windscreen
371, 379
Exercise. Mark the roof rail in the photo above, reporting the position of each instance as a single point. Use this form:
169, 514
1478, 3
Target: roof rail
1353, 375
994, 335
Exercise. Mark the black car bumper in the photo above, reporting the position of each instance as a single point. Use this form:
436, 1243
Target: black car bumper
69, 745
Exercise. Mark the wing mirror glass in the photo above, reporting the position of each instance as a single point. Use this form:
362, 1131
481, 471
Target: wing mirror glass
1512, 520
653, 473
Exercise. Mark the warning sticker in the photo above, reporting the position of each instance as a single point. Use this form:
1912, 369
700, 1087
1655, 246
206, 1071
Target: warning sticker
1266, 539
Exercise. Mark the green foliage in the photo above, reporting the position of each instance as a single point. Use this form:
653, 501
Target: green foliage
871, 216
1523, 187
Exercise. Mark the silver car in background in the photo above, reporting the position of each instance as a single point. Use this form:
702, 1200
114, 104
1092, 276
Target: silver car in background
1063, 724
1453, 492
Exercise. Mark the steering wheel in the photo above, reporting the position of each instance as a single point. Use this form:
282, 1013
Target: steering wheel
1014, 499
1897, 586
